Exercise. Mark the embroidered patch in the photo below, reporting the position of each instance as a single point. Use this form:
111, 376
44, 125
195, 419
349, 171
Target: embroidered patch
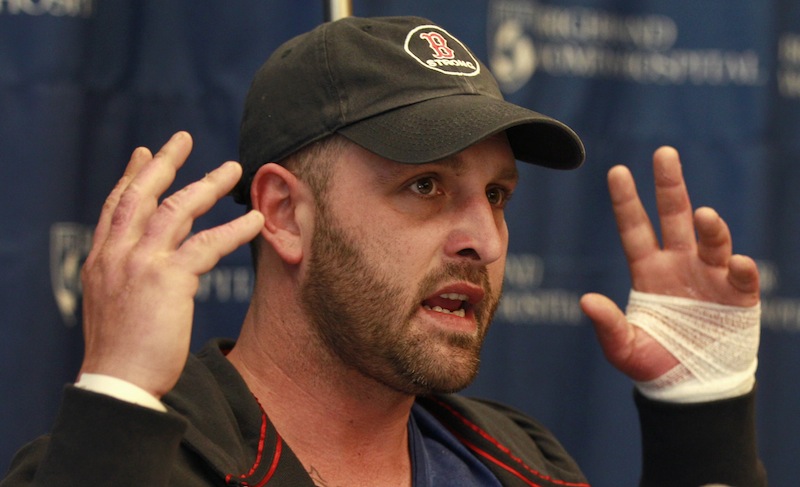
436, 49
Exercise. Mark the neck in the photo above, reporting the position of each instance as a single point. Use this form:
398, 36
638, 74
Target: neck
346, 428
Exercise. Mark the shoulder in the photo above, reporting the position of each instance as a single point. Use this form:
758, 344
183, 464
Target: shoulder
215, 400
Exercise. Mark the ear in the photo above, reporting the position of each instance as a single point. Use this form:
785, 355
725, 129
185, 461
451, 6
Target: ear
279, 195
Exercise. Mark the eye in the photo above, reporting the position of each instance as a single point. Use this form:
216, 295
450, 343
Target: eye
424, 186
498, 196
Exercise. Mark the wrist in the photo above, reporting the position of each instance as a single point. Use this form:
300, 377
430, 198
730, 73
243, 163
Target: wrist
670, 388
119, 389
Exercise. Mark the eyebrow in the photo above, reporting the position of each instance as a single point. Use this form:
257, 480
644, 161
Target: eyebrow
453, 162
511, 173
399, 169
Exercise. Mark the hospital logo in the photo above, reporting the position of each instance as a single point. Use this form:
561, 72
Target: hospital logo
513, 57
529, 36
69, 246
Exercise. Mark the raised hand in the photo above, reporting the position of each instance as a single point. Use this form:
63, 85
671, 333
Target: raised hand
142, 273
694, 261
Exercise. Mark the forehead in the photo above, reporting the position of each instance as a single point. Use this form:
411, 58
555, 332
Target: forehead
491, 157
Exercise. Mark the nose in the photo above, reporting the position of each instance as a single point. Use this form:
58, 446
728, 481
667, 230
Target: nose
479, 232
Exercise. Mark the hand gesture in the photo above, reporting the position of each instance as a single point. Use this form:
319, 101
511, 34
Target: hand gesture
142, 273
694, 261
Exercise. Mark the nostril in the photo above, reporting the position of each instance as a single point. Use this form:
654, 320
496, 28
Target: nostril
471, 253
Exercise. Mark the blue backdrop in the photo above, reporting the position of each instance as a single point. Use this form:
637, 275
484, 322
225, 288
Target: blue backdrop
83, 82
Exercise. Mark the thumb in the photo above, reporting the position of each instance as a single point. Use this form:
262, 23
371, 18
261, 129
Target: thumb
615, 334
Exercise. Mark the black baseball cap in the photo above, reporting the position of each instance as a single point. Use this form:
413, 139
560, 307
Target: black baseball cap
401, 87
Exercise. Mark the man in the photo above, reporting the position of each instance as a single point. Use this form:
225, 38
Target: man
379, 243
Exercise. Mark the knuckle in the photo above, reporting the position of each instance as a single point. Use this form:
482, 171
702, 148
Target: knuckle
201, 242
173, 205
126, 207
179, 203
139, 263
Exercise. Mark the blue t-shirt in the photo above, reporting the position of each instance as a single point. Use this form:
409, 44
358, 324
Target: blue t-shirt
438, 459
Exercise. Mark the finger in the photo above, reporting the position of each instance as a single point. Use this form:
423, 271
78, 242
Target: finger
672, 199
713, 236
138, 159
202, 251
743, 275
173, 220
635, 230
139, 200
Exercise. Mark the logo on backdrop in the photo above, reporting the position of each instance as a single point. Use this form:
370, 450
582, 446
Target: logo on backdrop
526, 36
436, 49
70, 244
789, 65
778, 312
60, 8
526, 302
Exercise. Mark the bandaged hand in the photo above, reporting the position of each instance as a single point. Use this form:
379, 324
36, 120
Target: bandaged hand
691, 330
716, 346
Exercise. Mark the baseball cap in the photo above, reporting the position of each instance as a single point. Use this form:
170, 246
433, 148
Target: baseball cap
401, 87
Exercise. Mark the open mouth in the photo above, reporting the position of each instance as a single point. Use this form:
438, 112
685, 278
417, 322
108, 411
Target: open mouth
448, 303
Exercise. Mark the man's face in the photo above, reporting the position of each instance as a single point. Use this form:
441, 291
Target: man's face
407, 264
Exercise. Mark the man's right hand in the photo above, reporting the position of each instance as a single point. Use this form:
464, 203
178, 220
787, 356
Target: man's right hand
142, 273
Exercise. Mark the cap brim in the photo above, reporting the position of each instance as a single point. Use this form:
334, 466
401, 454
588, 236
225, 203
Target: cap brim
440, 127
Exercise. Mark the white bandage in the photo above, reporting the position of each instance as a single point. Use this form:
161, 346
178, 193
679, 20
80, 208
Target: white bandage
716, 346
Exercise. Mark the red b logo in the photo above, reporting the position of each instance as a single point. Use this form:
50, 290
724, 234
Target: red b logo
439, 45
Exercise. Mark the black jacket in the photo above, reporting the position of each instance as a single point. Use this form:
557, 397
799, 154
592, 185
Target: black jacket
217, 434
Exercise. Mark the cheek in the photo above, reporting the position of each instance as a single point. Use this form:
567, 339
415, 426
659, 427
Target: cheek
497, 268
496, 272
502, 228
389, 236
402, 254
390, 251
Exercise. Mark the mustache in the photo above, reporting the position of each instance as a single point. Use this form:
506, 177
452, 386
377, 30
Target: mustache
478, 276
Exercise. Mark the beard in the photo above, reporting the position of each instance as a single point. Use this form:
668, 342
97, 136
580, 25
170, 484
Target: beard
367, 321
